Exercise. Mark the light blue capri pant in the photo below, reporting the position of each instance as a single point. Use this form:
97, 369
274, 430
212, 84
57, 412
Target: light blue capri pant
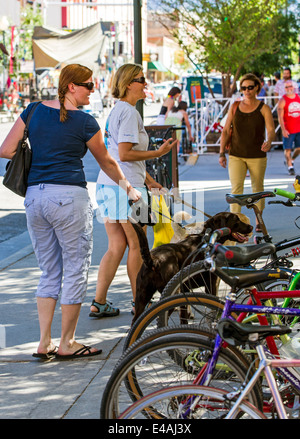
60, 224
113, 203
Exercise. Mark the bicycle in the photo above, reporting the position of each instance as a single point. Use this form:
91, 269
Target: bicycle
140, 357
167, 357
192, 282
157, 167
190, 401
192, 305
191, 278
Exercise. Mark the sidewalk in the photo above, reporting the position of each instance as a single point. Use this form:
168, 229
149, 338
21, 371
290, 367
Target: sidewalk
32, 389
29, 388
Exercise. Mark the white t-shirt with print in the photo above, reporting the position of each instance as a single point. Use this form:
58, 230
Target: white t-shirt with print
124, 124
280, 87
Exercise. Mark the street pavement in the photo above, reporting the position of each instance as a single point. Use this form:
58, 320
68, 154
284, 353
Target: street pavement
34, 389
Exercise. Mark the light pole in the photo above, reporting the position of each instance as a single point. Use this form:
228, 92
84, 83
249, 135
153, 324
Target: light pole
4, 25
138, 54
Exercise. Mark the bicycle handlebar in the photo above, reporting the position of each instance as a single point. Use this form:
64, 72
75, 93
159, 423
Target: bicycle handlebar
287, 203
172, 129
169, 130
221, 253
219, 233
287, 194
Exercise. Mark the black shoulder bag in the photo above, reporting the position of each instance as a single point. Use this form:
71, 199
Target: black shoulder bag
17, 169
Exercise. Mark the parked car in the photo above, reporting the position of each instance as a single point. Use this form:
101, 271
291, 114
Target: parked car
216, 86
161, 90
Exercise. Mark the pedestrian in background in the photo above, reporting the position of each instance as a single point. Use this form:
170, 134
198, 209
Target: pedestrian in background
168, 103
289, 119
279, 89
263, 90
127, 141
58, 208
248, 145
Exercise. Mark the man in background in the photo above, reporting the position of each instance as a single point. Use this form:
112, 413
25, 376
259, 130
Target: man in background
289, 119
279, 89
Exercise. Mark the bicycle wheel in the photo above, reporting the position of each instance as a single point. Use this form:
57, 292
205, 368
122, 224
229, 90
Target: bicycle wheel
181, 309
277, 285
172, 356
194, 278
189, 402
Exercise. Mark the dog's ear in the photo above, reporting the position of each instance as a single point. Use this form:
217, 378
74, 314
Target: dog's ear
232, 220
217, 221
223, 220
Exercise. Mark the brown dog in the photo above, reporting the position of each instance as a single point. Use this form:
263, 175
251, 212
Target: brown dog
162, 263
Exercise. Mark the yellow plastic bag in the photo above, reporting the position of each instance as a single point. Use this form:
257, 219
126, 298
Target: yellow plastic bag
163, 231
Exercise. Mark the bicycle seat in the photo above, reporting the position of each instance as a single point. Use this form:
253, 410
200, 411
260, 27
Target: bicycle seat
251, 278
235, 333
248, 199
244, 254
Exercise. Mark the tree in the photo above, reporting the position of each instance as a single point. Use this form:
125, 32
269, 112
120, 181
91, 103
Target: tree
228, 35
29, 19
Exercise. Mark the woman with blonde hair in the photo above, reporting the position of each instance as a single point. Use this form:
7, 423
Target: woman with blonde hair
58, 208
127, 141
250, 120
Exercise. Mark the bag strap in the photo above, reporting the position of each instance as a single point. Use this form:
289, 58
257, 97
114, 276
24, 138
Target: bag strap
234, 107
28, 120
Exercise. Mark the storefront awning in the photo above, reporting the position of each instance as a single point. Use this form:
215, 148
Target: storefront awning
156, 65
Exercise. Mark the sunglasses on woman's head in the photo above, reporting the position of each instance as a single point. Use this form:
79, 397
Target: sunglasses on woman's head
250, 87
141, 80
88, 85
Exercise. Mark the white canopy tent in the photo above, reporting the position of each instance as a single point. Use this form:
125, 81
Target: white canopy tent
53, 47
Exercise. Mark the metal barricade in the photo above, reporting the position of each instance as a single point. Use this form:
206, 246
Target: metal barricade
210, 112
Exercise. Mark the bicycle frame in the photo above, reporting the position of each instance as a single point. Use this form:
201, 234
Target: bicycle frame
205, 375
230, 306
285, 244
266, 366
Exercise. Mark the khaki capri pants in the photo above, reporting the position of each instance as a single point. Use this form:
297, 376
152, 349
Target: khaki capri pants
237, 169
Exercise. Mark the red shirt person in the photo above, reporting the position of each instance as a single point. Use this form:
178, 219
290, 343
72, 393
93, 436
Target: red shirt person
289, 119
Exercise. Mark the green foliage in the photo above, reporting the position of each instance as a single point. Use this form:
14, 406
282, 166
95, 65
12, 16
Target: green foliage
232, 35
286, 52
29, 19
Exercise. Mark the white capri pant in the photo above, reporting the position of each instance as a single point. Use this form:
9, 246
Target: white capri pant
60, 224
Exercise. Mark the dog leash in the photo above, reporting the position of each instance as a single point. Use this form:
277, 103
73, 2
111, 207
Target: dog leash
189, 205
178, 199
141, 204
184, 202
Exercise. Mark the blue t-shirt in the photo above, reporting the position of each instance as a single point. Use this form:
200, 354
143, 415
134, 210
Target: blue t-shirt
58, 148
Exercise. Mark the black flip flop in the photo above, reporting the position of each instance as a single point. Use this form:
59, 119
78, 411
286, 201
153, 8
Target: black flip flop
79, 354
49, 354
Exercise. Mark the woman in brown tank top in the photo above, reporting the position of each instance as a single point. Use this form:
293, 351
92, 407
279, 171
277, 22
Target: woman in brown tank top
248, 121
